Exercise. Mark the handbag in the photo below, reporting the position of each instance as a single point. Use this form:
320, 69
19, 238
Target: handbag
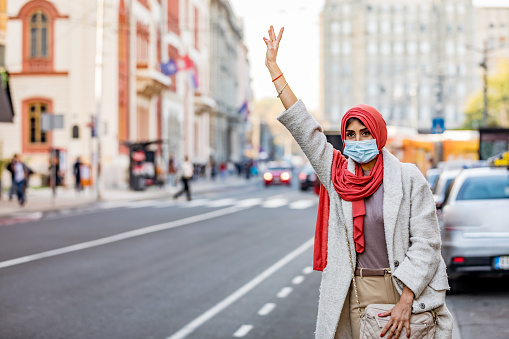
422, 325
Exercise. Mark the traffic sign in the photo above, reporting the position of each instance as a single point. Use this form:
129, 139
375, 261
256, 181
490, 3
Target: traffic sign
437, 126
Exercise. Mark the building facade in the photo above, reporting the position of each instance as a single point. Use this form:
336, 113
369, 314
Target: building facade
51, 57
411, 60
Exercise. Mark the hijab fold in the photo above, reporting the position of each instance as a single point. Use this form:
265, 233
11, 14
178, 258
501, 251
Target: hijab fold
354, 187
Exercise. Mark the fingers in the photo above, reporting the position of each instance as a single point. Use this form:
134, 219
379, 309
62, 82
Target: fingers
407, 325
398, 331
384, 314
280, 35
272, 35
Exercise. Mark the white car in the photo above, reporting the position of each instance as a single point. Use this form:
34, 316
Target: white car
474, 222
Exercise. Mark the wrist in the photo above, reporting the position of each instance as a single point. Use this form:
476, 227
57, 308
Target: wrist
273, 68
407, 296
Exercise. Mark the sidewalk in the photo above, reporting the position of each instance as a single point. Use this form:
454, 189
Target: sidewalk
41, 200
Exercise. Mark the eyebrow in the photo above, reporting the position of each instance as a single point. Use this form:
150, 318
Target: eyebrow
362, 130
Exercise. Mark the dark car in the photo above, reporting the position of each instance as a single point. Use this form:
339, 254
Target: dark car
277, 174
307, 178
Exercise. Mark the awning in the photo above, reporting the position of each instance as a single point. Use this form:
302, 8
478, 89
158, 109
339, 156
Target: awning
6, 111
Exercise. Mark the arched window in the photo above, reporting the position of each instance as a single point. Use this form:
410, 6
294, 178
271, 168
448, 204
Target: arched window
75, 132
39, 32
35, 133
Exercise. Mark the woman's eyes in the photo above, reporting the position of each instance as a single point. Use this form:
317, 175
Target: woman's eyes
366, 133
350, 135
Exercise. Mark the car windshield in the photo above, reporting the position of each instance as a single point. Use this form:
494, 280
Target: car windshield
443, 185
479, 188
278, 169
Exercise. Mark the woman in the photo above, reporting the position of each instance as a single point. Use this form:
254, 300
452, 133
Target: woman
389, 213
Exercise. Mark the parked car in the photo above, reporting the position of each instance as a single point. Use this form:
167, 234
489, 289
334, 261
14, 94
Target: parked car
307, 177
432, 176
443, 183
278, 173
474, 223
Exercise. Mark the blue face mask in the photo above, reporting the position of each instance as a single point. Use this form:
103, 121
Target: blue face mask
361, 152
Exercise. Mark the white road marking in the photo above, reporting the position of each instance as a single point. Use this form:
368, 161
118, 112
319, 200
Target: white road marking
221, 203
301, 204
200, 320
266, 309
285, 292
250, 202
307, 269
198, 202
242, 331
122, 236
165, 203
143, 203
112, 204
274, 203
297, 280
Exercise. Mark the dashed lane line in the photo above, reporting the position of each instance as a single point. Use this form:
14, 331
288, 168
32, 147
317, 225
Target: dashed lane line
203, 318
266, 309
285, 292
307, 269
242, 331
297, 280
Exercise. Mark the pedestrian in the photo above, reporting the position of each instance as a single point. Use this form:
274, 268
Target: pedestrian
187, 172
77, 174
387, 211
172, 171
20, 174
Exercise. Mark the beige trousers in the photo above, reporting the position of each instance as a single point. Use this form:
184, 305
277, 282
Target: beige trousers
371, 290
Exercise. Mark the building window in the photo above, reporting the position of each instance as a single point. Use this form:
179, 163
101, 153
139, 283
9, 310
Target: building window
142, 42
347, 48
35, 133
196, 28
334, 48
372, 47
335, 27
39, 30
173, 16
75, 132
347, 28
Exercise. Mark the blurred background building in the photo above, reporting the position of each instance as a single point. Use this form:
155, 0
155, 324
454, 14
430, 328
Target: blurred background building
158, 59
414, 61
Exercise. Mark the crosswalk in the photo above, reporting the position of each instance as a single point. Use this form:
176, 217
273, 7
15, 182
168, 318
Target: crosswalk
269, 203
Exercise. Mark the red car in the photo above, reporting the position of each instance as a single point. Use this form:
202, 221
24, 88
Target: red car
277, 175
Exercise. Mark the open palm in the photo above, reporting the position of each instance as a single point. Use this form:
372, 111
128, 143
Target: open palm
272, 45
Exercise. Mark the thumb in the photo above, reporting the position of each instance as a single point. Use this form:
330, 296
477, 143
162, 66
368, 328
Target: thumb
384, 314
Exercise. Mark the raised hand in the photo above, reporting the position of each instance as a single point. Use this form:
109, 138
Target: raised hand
272, 46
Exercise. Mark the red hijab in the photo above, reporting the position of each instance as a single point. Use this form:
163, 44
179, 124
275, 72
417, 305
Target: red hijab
351, 187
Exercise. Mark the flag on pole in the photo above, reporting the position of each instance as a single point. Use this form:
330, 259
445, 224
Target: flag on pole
169, 68
194, 79
185, 63
244, 109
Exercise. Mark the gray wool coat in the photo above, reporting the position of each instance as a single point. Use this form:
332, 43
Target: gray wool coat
411, 231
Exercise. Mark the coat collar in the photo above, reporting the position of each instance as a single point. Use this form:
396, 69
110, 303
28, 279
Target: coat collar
393, 194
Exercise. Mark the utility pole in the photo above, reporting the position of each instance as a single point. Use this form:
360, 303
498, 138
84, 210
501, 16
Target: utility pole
99, 44
484, 66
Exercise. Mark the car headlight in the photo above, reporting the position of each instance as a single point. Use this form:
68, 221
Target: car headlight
285, 176
267, 176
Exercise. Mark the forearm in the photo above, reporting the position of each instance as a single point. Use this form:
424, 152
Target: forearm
407, 296
287, 96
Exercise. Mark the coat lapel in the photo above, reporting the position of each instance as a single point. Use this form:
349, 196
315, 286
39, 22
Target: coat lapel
393, 194
347, 205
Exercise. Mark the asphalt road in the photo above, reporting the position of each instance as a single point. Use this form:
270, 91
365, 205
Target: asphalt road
230, 263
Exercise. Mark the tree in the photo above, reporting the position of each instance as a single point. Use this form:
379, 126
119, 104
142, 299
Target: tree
498, 101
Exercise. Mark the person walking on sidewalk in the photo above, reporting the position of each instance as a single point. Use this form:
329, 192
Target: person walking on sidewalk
77, 174
382, 207
20, 174
187, 172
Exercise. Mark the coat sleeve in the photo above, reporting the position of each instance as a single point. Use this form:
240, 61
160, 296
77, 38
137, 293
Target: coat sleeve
423, 255
309, 135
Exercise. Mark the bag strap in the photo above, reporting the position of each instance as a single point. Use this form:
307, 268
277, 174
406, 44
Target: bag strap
353, 271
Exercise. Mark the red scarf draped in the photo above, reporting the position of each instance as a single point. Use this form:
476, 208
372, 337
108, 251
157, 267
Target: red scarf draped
350, 187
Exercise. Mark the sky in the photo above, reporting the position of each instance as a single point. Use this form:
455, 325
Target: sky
299, 50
